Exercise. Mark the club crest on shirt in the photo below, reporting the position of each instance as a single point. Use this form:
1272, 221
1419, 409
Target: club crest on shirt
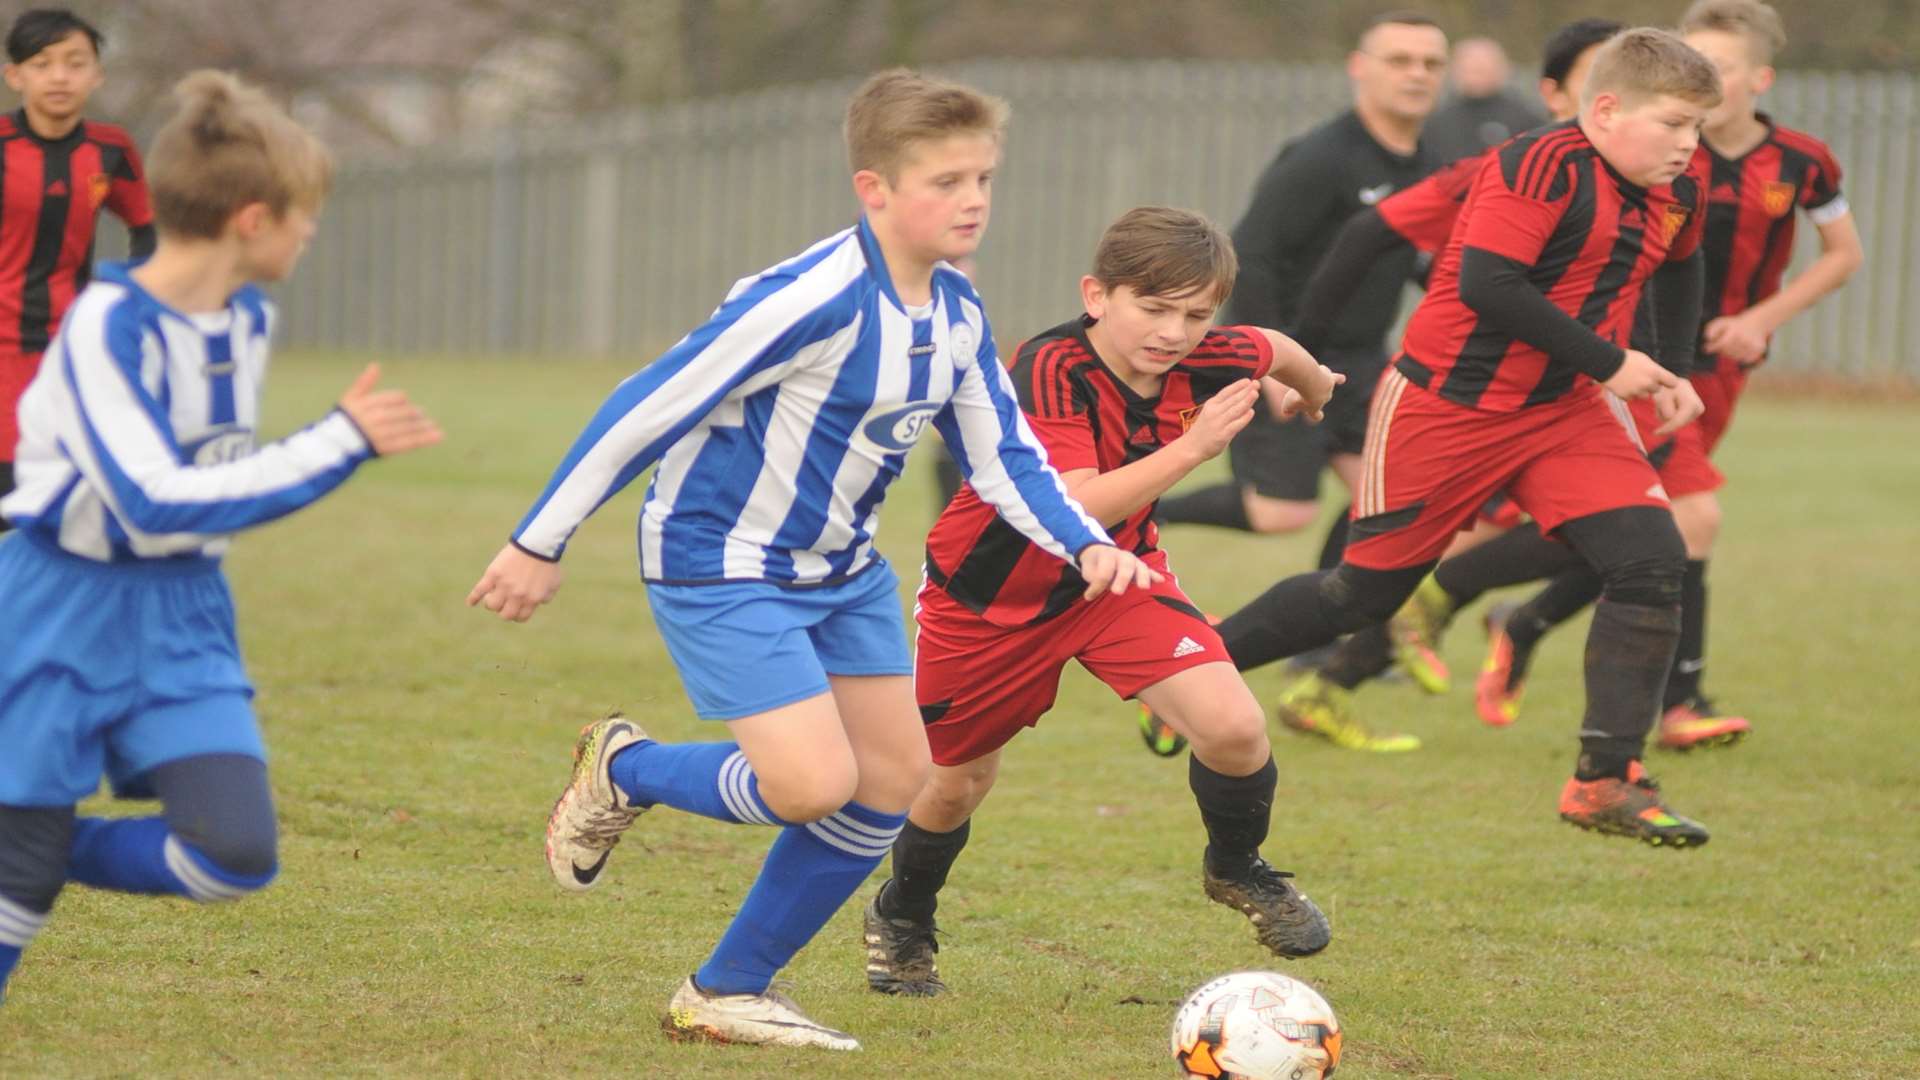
98, 187
1777, 198
961, 343
1187, 417
1673, 222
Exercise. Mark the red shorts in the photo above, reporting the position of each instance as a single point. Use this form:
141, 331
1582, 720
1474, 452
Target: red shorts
16, 371
1430, 465
1719, 391
978, 684
1679, 458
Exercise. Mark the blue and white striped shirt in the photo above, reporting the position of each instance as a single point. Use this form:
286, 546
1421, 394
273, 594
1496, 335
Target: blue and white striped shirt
779, 423
137, 435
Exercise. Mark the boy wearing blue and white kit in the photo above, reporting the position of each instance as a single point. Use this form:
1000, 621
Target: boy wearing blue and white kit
777, 426
136, 461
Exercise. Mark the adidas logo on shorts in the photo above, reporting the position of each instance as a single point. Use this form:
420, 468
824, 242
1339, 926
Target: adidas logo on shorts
1187, 647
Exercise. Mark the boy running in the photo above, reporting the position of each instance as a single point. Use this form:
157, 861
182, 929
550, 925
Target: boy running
59, 170
778, 426
137, 462
1760, 171
1498, 389
1127, 400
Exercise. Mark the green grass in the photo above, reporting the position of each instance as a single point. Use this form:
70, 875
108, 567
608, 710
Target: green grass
417, 745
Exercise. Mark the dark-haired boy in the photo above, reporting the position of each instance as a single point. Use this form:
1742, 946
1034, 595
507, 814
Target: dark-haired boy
56, 171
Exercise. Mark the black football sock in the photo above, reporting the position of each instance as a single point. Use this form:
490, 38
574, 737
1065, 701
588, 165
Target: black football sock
1513, 558
1308, 610
1363, 655
1691, 657
1222, 504
1629, 651
1567, 596
1236, 810
921, 860
1334, 547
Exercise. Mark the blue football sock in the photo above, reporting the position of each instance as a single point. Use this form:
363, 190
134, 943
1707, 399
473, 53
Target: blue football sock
809, 873
140, 855
709, 779
18, 925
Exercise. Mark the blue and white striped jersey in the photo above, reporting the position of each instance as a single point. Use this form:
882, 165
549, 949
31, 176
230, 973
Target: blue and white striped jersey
137, 435
779, 423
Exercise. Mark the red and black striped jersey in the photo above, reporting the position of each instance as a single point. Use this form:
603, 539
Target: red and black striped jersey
51, 192
1424, 214
1589, 240
1086, 418
1750, 218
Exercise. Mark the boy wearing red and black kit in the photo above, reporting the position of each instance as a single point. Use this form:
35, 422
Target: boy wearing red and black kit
1127, 400
56, 171
1498, 388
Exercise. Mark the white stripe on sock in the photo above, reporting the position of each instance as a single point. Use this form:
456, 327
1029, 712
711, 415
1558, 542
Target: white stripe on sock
832, 830
18, 925
201, 885
729, 793
736, 789
861, 828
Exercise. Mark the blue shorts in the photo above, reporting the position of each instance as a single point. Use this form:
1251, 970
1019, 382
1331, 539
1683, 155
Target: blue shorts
747, 648
112, 669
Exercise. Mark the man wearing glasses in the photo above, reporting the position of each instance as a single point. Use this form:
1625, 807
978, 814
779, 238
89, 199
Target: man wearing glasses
1310, 189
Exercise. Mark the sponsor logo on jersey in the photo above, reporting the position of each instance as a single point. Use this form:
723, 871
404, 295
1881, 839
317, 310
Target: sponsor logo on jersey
219, 449
898, 429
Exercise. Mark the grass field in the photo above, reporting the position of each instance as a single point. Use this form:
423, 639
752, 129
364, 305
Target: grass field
417, 746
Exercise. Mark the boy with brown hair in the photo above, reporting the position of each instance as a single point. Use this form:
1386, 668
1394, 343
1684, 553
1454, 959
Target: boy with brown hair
137, 464
1127, 399
778, 426
1760, 172
1498, 388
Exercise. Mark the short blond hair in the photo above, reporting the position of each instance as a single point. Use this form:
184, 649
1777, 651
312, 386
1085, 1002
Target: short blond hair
1751, 19
1161, 251
1646, 62
228, 146
897, 108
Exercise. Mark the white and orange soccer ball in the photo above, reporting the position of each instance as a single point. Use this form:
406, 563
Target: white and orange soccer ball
1256, 1025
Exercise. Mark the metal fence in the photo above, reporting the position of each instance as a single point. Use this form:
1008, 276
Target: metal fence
618, 236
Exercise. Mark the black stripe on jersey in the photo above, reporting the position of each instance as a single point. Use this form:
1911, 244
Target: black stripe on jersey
1486, 348
987, 565
1722, 220
1794, 167
49, 235
1558, 378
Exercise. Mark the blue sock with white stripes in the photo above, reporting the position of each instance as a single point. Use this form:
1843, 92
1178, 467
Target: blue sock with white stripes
709, 779
18, 925
141, 855
810, 871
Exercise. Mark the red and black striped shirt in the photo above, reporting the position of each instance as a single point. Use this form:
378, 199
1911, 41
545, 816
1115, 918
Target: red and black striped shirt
1589, 240
51, 192
1086, 418
1750, 218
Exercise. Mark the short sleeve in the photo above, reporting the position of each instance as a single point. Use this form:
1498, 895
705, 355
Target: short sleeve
1519, 198
1057, 405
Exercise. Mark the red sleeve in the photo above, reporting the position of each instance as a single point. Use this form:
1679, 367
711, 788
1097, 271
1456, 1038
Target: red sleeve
1519, 198
127, 196
1057, 408
1424, 213
1245, 347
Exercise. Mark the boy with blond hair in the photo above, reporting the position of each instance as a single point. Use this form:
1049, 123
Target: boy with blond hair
778, 426
1127, 399
1760, 172
1498, 388
137, 463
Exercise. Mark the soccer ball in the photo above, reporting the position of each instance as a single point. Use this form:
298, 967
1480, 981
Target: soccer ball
1256, 1025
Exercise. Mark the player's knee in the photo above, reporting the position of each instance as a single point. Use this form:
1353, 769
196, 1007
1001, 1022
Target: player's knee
1270, 515
1353, 598
244, 851
1699, 520
1233, 741
812, 796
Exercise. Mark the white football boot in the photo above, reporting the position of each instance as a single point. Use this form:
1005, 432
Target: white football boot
769, 1019
591, 813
